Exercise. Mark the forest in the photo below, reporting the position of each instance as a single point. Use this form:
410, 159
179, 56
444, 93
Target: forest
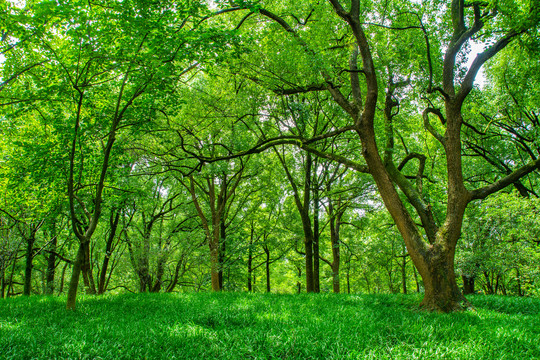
345, 146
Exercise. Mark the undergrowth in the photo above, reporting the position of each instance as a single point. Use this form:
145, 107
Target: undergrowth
266, 326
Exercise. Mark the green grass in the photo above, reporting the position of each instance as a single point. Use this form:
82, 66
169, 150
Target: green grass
248, 326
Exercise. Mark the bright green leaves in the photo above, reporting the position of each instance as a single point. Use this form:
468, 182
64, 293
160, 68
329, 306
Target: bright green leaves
500, 236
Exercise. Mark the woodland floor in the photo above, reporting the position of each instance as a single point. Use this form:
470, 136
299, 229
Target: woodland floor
261, 326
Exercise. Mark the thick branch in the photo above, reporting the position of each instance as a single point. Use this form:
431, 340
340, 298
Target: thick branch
507, 180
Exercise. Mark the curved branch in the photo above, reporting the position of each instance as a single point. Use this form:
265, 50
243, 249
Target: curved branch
430, 128
485, 191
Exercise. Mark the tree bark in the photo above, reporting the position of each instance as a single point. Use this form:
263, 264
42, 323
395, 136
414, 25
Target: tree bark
222, 250
250, 258
316, 235
115, 218
468, 284
75, 274
51, 267
404, 274
441, 290
29, 264
86, 270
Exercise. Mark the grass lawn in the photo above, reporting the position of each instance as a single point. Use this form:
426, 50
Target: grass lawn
259, 326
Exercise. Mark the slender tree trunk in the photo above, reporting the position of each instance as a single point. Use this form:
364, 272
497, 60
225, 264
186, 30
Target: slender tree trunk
176, 276
51, 267
29, 264
222, 251
316, 265
335, 223
518, 279
160, 270
299, 283
214, 265
468, 284
108, 252
308, 244
404, 274
267, 266
75, 274
489, 286
2, 284
250, 258
63, 278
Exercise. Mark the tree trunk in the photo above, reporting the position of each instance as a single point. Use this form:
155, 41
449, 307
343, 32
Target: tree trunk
160, 270
404, 274
86, 269
75, 274
441, 290
468, 284
267, 266
62, 279
308, 244
214, 265
222, 251
108, 252
2, 284
250, 258
518, 279
28, 267
316, 265
51, 267
488, 286
335, 220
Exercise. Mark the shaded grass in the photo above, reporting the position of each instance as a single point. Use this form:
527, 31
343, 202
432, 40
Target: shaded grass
259, 326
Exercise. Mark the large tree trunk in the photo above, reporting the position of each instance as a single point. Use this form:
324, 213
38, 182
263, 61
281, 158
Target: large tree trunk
441, 290
75, 274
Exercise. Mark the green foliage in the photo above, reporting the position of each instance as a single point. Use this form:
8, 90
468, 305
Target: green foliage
233, 326
501, 238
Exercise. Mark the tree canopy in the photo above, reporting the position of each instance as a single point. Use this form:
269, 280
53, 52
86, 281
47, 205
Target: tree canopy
270, 146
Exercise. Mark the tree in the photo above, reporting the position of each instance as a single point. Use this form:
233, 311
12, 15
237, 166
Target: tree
80, 72
431, 246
